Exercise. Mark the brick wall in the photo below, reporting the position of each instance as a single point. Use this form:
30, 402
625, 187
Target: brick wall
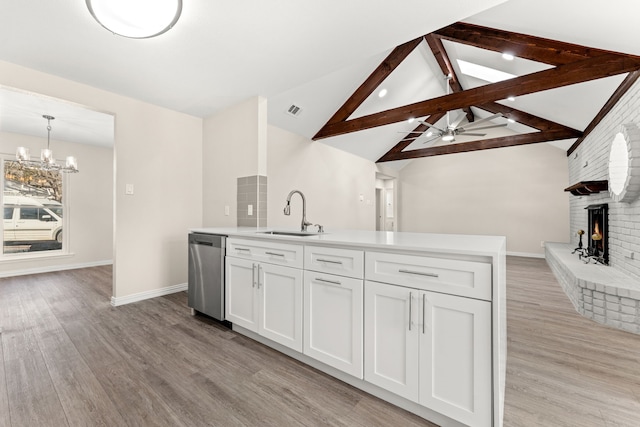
590, 162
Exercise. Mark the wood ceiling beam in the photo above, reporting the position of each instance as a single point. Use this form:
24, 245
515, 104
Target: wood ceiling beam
520, 45
407, 140
611, 102
374, 80
483, 144
439, 52
562, 75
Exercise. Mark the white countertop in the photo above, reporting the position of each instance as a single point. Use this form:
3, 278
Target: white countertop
441, 243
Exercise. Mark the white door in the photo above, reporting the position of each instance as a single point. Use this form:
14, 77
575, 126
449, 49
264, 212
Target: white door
455, 357
280, 311
391, 338
333, 321
241, 294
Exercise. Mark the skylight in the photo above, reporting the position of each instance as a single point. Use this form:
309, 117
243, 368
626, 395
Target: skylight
483, 73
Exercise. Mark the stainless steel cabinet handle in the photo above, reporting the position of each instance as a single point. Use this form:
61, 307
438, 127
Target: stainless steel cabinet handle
243, 249
259, 276
253, 275
333, 282
410, 304
329, 261
424, 297
274, 253
419, 273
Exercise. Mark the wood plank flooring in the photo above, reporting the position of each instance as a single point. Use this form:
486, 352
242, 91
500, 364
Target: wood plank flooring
69, 358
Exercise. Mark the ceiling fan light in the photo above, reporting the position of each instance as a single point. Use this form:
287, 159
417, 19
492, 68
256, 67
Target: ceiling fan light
136, 19
448, 138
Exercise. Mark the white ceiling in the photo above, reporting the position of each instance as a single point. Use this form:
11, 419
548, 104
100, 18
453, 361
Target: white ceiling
309, 53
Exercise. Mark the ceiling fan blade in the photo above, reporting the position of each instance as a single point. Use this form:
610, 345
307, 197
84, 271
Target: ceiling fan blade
431, 140
460, 130
408, 132
457, 121
486, 119
431, 126
472, 134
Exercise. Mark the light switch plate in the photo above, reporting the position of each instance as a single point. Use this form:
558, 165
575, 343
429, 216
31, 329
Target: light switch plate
128, 189
250, 210
226, 210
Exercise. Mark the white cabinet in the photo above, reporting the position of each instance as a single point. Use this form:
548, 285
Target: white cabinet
265, 298
333, 312
431, 348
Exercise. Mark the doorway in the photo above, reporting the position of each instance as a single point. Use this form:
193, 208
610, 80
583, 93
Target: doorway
385, 203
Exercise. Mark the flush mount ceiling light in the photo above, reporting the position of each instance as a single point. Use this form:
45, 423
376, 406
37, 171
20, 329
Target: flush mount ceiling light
137, 19
46, 162
382, 93
507, 56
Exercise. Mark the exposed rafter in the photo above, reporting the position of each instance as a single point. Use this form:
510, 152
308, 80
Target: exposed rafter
572, 64
613, 100
374, 80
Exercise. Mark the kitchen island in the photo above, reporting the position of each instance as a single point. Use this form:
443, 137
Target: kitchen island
416, 319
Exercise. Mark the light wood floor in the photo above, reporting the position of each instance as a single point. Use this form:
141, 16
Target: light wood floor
69, 358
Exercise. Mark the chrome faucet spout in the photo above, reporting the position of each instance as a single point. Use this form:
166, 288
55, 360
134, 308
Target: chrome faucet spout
287, 209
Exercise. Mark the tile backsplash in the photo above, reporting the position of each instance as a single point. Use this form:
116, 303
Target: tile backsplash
252, 201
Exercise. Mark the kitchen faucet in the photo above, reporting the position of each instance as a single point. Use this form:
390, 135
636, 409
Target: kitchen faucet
287, 209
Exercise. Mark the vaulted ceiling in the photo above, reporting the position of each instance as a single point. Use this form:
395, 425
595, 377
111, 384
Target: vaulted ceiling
568, 64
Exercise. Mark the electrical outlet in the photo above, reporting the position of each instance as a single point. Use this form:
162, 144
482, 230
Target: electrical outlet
542, 243
250, 210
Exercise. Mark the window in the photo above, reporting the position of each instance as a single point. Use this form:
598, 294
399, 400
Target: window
32, 209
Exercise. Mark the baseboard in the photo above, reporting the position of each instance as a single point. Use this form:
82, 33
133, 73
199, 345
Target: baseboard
52, 268
140, 296
525, 254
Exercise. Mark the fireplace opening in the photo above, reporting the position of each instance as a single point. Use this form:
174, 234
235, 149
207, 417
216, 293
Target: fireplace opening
598, 236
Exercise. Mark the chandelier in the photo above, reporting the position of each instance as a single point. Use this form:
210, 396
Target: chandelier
46, 162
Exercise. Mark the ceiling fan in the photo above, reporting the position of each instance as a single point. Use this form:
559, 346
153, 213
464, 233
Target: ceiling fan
453, 129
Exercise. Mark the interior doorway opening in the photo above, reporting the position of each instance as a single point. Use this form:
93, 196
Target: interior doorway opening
386, 195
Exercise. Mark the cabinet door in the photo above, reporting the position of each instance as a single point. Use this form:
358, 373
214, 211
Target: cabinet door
455, 357
280, 312
333, 321
391, 338
241, 296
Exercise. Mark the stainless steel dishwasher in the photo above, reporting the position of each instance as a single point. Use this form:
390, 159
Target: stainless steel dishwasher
206, 274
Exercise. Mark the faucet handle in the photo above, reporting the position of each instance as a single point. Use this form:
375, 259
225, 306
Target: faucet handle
320, 228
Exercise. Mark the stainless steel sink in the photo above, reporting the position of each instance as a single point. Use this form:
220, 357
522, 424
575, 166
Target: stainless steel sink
289, 233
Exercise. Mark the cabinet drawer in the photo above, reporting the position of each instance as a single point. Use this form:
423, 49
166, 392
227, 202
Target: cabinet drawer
266, 251
465, 278
344, 262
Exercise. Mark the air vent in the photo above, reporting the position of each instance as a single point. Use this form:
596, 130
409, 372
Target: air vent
294, 110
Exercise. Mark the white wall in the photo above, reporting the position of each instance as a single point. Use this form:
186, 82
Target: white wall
332, 181
90, 210
234, 142
157, 150
516, 192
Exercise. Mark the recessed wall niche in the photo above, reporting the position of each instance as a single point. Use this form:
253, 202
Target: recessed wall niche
624, 164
